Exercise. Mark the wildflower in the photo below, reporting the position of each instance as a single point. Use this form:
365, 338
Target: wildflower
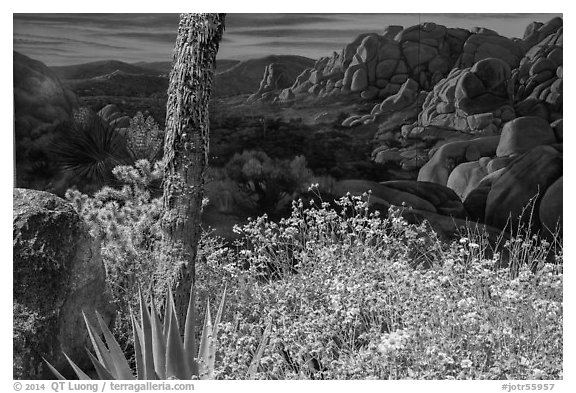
385, 348
313, 186
466, 363
538, 374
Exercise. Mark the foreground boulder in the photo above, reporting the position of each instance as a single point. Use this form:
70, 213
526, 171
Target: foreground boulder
551, 209
526, 178
448, 156
58, 273
524, 133
444, 200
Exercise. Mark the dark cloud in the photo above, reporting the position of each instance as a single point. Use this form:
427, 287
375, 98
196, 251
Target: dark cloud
52, 40
35, 42
44, 51
144, 36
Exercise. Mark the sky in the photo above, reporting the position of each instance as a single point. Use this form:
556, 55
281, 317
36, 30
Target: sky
65, 39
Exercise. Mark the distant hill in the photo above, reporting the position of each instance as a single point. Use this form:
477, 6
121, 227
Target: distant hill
224, 65
120, 83
245, 77
106, 67
164, 67
99, 68
116, 78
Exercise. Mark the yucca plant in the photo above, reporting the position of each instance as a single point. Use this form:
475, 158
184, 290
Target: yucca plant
90, 150
159, 350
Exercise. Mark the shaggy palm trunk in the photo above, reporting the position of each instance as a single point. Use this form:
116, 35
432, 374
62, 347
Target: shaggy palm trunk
186, 143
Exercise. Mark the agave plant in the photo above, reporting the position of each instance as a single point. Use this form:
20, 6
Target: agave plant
159, 350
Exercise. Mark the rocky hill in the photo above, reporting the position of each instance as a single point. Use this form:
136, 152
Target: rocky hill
41, 104
164, 67
245, 77
99, 68
121, 83
116, 78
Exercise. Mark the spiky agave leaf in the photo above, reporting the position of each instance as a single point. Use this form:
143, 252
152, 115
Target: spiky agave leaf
53, 370
205, 341
158, 342
212, 358
167, 316
137, 333
176, 363
146, 340
102, 372
102, 352
190, 348
259, 352
81, 374
121, 366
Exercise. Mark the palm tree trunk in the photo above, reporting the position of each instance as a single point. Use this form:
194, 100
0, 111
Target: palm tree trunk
186, 141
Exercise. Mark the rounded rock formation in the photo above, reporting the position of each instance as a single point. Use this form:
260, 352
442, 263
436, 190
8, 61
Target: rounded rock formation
524, 133
58, 273
526, 179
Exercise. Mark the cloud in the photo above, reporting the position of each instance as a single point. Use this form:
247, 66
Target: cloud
151, 37
234, 21
102, 21
33, 39
144, 36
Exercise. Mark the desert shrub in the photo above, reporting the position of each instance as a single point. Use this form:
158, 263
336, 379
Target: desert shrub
270, 184
357, 307
144, 138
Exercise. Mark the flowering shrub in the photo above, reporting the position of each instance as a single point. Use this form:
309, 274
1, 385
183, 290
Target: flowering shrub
348, 301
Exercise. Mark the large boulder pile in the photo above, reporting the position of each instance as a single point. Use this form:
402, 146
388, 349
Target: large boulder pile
538, 79
468, 103
473, 100
58, 273
41, 106
497, 177
485, 43
376, 65
406, 99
